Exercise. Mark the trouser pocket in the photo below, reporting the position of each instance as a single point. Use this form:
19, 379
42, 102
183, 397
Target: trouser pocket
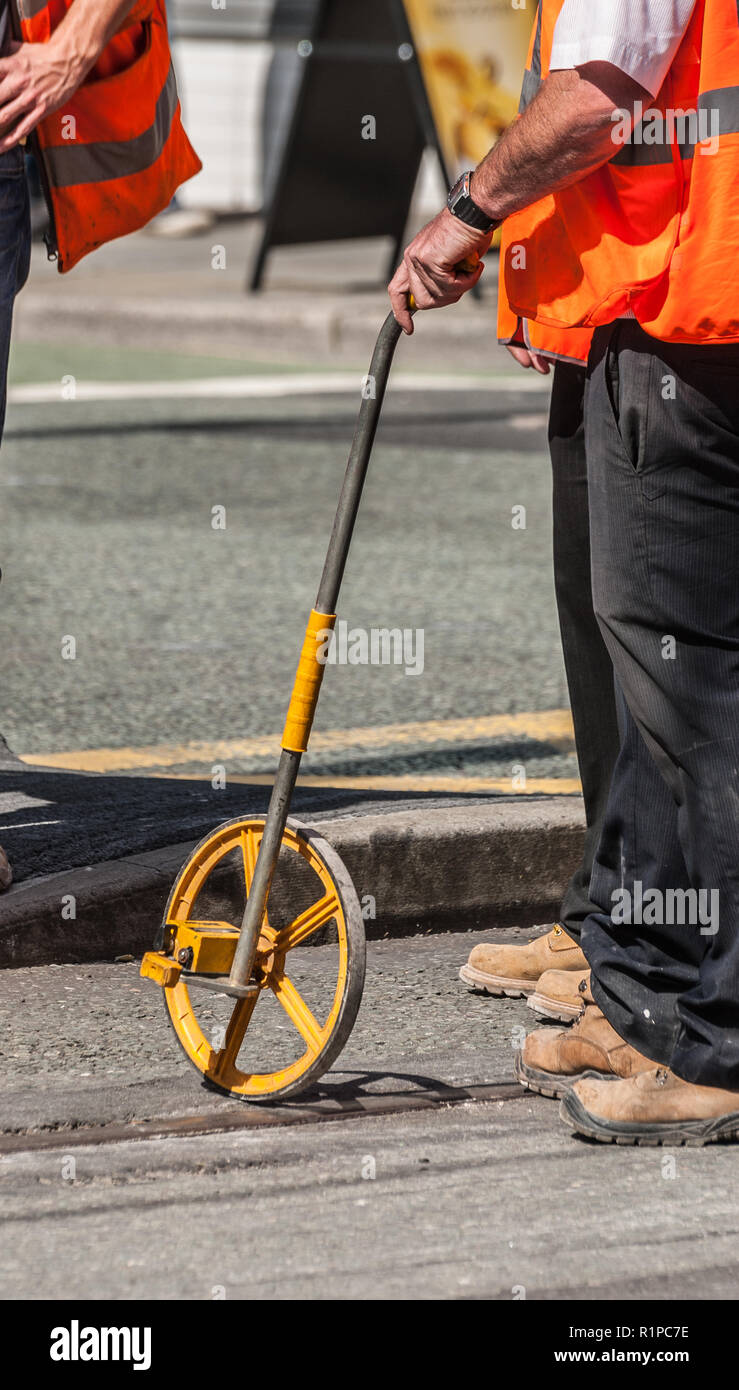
633, 386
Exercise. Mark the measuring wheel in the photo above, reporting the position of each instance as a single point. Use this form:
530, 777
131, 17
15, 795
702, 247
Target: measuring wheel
259, 1006
274, 1036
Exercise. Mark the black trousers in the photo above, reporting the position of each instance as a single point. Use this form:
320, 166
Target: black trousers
587, 663
662, 443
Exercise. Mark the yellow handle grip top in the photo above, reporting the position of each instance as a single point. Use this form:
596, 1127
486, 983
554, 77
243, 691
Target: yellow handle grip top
466, 267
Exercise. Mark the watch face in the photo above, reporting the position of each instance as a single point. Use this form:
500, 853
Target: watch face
462, 205
459, 190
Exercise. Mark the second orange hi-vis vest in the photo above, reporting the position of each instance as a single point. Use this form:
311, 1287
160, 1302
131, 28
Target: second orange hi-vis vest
112, 157
655, 230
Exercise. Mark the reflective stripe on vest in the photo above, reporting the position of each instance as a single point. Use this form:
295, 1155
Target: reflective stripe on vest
724, 102
532, 75
107, 159
655, 230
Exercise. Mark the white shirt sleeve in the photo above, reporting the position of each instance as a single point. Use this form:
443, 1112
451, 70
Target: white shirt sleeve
641, 37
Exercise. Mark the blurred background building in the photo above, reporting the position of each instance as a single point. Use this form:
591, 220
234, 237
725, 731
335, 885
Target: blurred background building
238, 72
276, 95
440, 76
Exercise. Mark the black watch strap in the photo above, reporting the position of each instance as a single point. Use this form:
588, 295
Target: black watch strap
462, 205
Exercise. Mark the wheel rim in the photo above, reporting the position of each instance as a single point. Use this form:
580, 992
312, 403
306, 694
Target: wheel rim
219, 1065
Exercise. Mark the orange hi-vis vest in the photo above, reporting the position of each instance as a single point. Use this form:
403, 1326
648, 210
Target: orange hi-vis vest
113, 155
655, 230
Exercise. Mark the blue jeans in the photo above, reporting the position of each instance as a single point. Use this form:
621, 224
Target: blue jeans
15, 252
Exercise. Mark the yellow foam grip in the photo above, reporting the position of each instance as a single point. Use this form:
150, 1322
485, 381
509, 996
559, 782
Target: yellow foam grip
467, 267
307, 685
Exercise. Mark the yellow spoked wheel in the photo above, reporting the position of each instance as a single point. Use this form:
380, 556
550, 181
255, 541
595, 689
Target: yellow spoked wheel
314, 991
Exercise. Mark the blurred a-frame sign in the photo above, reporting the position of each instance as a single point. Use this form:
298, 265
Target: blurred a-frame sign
359, 127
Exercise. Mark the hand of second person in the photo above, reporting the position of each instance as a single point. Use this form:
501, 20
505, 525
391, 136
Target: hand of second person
525, 358
429, 269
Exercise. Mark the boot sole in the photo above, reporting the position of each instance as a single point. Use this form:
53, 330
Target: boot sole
690, 1133
547, 1083
497, 985
554, 1008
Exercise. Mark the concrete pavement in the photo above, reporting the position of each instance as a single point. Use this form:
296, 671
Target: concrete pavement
474, 1201
324, 302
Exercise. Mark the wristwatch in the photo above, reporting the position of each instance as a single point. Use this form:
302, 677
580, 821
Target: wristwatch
463, 206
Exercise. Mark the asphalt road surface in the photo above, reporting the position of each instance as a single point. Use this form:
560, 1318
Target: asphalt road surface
140, 638
459, 1201
185, 633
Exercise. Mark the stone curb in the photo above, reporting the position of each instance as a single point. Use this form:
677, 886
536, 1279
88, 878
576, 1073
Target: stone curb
439, 869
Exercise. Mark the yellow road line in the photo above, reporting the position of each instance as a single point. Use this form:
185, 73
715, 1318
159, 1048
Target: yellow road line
553, 727
407, 782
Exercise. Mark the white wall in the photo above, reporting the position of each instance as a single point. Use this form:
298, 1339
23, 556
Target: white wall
221, 85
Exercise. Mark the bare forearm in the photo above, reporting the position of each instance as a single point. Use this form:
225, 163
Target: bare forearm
85, 30
566, 132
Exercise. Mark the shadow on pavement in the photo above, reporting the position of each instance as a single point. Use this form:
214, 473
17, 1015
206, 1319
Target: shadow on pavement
52, 821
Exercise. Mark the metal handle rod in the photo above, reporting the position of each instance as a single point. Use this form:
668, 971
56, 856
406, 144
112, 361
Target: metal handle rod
356, 468
328, 594
269, 849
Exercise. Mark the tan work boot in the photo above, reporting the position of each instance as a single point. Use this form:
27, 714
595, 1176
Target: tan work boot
6, 873
561, 994
514, 970
553, 1059
655, 1107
